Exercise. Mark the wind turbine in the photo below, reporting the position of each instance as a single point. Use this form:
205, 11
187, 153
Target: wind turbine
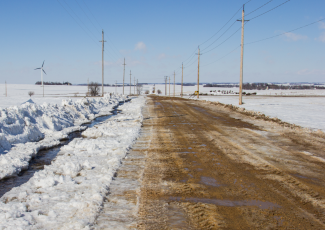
42, 70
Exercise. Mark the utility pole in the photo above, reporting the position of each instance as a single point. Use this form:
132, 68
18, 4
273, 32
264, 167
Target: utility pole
102, 41
166, 85
169, 86
198, 74
88, 85
241, 57
6, 88
182, 82
174, 83
123, 75
130, 82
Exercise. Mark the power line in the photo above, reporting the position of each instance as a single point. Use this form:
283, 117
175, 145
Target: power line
91, 13
223, 56
247, 2
111, 45
80, 19
87, 16
191, 56
191, 63
223, 41
269, 10
219, 36
222, 26
193, 53
285, 32
259, 8
77, 22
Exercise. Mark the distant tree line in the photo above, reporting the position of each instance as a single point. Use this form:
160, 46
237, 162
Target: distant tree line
264, 86
187, 84
52, 83
221, 85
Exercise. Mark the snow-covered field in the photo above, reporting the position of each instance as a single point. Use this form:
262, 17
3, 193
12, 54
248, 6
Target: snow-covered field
307, 112
18, 93
305, 108
191, 89
68, 193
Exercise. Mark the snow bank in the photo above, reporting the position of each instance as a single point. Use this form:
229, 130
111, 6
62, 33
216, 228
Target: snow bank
68, 194
22, 126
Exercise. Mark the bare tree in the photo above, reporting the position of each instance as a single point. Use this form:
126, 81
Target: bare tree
139, 88
94, 89
31, 93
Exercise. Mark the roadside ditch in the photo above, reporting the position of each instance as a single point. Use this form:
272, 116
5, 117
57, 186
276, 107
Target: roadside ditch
46, 156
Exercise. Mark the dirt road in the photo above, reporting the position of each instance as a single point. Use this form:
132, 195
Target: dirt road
209, 167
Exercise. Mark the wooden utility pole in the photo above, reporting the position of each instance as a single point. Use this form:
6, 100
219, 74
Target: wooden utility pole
198, 74
102, 41
130, 82
241, 57
174, 83
166, 85
182, 82
88, 85
169, 86
123, 75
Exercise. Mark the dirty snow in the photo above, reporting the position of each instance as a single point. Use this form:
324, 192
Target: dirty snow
27, 128
68, 194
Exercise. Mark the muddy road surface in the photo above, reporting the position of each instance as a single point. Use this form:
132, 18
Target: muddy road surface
209, 167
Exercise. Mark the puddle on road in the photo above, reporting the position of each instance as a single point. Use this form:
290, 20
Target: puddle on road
228, 203
209, 181
312, 180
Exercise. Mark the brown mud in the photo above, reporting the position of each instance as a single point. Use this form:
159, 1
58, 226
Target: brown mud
210, 166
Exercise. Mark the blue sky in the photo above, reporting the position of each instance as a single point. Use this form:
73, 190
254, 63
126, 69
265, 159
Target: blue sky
155, 37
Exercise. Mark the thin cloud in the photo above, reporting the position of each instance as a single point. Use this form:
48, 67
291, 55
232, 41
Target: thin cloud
310, 72
322, 25
140, 46
295, 37
321, 38
161, 56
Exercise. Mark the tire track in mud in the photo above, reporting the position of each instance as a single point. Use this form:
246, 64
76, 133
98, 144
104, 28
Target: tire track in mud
206, 169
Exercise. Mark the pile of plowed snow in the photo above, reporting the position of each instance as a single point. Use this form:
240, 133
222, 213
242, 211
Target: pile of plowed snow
26, 129
69, 193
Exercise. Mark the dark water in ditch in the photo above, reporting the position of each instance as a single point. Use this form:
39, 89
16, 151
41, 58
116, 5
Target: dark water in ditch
45, 156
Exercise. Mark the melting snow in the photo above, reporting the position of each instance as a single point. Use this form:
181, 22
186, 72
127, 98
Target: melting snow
68, 194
